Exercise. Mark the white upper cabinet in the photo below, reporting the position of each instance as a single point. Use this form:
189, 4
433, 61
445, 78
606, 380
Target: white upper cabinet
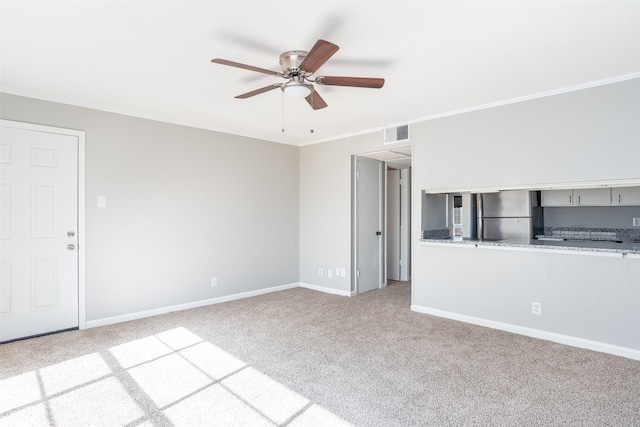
626, 196
592, 197
581, 197
620, 196
557, 197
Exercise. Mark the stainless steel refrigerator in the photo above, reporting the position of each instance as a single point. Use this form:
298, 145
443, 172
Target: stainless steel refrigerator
508, 215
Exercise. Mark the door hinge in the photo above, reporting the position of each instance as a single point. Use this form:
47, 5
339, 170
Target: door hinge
358, 273
357, 174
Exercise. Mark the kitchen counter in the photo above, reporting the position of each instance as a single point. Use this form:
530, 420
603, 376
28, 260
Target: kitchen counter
568, 245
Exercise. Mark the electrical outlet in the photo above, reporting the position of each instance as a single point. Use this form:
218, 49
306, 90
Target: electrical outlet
536, 308
320, 272
214, 281
636, 222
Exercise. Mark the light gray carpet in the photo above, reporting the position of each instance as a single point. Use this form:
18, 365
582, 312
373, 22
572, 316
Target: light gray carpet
301, 357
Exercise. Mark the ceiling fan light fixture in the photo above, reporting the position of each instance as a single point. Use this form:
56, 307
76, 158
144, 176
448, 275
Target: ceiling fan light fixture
297, 90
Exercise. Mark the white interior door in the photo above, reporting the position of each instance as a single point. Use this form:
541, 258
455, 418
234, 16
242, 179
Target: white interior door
38, 232
369, 224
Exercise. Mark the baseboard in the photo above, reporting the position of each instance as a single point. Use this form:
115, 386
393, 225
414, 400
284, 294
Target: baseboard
326, 290
185, 306
629, 353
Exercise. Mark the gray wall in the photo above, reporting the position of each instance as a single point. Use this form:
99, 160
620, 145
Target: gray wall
588, 135
588, 297
325, 207
183, 205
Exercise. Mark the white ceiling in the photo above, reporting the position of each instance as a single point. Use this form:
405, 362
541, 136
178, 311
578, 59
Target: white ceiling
152, 59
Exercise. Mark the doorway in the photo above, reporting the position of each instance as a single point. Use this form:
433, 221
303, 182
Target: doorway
381, 246
398, 223
41, 230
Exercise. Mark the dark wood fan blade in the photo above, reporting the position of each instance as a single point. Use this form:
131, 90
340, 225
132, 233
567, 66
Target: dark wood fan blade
315, 100
258, 91
246, 67
351, 81
318, 55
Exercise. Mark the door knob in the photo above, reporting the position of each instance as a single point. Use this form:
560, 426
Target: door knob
378, 233
71, 246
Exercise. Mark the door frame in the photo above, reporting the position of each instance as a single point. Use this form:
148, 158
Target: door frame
405, 219
354, 224
82, 314
402, 227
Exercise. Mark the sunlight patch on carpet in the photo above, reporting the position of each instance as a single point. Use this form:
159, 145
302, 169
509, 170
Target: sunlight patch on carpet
274, 400
35, 415
104, 403
212, 360
140, 351
18, 391
215, 403
175, 375
73, 372
169, 379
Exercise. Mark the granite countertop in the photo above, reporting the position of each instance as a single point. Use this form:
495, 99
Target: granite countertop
572, 245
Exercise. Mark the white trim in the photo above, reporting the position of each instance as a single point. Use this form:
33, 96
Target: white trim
81, 203
327, 290
534, 333
195, 304
82, 298
612, 183
186, 306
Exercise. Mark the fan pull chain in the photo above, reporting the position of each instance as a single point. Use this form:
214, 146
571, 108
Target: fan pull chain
312, 93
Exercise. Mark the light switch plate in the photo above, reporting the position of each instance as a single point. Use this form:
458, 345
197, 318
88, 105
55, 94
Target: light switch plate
636, 222
102, 201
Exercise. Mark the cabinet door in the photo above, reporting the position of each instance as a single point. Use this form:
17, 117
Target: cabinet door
592, 197
626, 196
557, 197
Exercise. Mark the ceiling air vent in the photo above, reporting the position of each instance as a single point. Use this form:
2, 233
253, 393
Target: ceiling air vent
396, 134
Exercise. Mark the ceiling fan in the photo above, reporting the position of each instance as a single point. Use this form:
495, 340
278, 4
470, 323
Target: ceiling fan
297, 68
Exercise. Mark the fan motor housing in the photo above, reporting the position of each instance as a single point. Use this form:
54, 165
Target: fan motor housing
291, 60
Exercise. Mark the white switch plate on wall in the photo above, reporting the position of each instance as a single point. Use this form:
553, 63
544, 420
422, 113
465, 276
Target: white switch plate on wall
102, 201
636, 222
